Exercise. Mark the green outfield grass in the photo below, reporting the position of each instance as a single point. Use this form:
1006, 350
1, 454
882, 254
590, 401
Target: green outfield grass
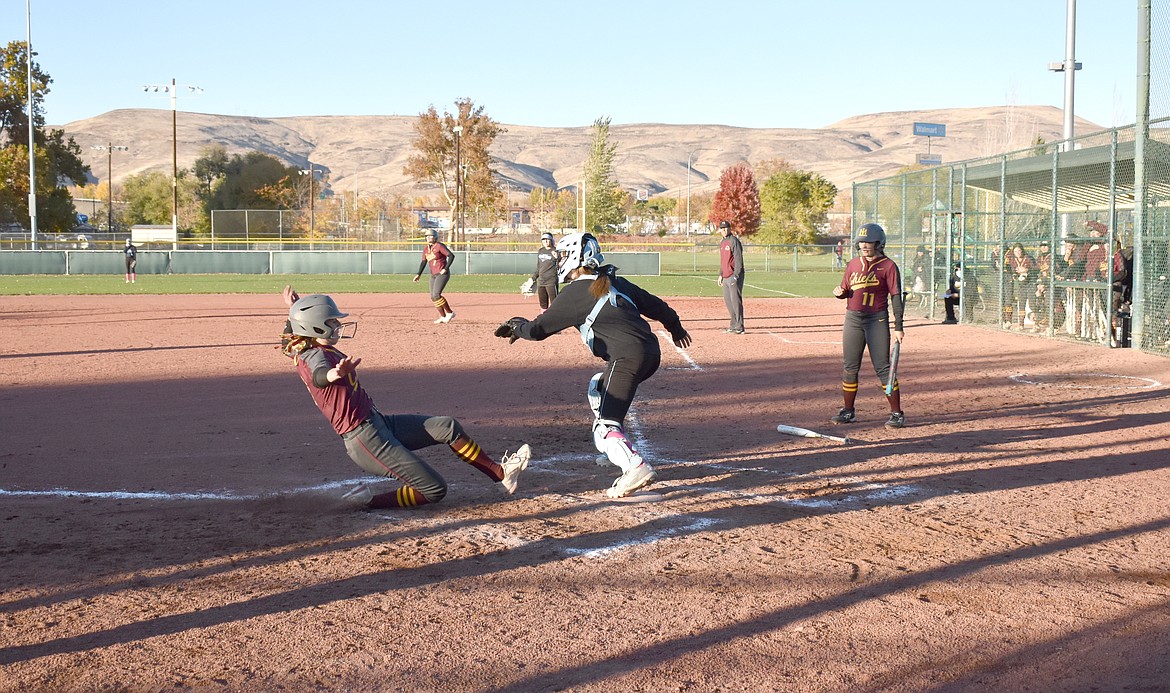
759, 284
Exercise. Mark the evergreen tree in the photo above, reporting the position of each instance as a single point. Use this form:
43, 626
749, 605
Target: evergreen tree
603, 197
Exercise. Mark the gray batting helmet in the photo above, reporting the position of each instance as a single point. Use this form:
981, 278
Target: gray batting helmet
872, 233
310, 313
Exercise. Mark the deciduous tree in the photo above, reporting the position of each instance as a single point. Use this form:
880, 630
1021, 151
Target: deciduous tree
436, 157
737, 200
58, 160
795, 206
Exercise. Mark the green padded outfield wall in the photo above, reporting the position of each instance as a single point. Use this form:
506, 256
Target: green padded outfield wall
114, 262
289, 262
321, 262
220, 262
32, 262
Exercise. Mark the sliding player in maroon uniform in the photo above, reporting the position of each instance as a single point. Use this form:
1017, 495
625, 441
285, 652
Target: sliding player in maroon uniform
381, 444
872, 285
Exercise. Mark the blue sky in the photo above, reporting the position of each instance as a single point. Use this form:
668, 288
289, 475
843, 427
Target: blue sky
762, 64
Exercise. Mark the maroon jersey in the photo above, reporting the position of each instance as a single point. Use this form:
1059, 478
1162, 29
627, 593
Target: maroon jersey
1096, 263
438, 256
869, 283
345, 403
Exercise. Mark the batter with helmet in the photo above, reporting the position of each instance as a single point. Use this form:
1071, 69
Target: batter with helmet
381, 444
439, 257
607, 310
871, 287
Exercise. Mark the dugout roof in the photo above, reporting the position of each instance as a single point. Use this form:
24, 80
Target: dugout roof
1082, 178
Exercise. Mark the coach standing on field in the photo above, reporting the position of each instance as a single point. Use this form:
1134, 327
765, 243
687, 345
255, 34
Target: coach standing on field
731, 276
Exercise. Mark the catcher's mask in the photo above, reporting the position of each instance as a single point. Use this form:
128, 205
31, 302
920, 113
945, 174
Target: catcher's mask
317, 316
577, 250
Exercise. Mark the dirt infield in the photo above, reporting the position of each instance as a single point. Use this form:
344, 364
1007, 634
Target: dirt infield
171, 514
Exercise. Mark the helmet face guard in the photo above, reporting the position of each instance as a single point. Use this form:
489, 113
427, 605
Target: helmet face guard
318, 317
577, 250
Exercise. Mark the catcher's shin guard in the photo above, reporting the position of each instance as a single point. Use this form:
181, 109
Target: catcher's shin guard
594, 393
609, 438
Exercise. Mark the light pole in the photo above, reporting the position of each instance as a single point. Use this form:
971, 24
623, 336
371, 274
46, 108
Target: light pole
109, 149
458, 130
690, 157
32, 150
172, 89
312, 176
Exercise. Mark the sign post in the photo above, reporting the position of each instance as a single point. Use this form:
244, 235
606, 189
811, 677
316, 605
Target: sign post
929, 130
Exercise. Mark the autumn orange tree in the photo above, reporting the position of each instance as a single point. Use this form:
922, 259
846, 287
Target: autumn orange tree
738, 200
436, 158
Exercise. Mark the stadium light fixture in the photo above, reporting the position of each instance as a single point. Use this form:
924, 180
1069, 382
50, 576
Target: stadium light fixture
312, 174
173, 89
109, 149
458, 130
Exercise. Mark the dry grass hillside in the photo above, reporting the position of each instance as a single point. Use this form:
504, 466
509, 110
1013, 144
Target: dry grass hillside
367, 153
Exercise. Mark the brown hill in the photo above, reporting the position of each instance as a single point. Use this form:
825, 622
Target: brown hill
367, 153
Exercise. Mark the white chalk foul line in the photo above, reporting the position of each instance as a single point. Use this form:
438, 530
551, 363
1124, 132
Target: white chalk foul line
682, 352
1026, 379
760, 288
782, 338
642, 540
170, 496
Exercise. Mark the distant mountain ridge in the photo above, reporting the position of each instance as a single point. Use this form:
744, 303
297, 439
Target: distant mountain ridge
367, 153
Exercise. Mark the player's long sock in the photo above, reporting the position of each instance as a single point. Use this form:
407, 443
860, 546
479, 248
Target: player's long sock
470, 452
895, 399
849, 390
405, 497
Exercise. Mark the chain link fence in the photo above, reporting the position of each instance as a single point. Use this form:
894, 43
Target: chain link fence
1068, 239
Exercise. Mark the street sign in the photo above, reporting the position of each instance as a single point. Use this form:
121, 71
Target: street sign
643, 194
930, 130
930, 159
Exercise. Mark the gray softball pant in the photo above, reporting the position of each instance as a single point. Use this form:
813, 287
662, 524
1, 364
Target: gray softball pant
438, 283
733, 298
862, 330
383, 445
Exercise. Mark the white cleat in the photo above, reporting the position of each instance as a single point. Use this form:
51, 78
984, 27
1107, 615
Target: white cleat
636, 478
359, 496
440, 321
447, 318
514, 464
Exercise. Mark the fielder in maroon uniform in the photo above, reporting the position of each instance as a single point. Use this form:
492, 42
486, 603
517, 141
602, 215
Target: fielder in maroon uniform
439, 258
872, 286
381, 444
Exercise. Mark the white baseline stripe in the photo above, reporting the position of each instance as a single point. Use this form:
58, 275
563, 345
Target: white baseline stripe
682, 352
782, 338
760, 288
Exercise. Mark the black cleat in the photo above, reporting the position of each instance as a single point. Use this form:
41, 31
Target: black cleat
897, 420
843, 416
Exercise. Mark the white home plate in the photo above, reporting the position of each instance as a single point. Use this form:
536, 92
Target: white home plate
641, 497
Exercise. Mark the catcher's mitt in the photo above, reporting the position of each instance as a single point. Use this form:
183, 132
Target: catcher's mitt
526, 287
508, 329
